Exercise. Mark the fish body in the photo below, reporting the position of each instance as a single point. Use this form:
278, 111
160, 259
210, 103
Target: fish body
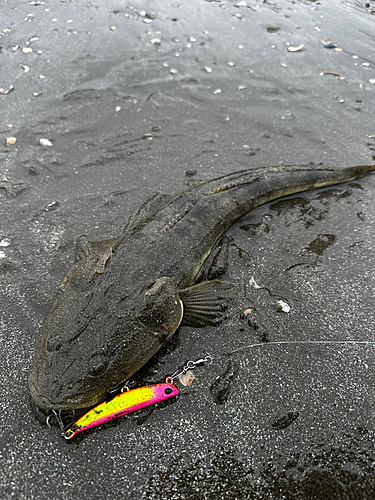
125, 297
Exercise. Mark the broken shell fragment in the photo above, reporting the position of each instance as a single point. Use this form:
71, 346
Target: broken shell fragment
253, 283
247, 312
11, 140
282, 306
45, 142
186, 378
3, 91
332, 73
296, 49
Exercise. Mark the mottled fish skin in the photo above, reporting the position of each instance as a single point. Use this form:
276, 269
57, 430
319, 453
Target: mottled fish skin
120, 302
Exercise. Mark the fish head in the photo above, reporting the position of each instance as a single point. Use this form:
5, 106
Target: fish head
90, 343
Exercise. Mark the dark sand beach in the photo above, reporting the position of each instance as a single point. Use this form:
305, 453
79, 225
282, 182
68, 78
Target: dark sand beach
110, 102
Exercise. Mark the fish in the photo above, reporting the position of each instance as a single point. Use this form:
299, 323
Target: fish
126, 296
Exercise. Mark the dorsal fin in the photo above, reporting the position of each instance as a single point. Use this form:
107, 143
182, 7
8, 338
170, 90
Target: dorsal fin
92, 249
86, 248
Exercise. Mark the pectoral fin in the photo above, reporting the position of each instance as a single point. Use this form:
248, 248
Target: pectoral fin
205, 303
217, 263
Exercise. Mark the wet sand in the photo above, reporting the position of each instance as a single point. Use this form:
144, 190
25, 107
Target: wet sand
158, 96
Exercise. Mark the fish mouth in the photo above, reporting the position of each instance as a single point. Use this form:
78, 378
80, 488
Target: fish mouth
65, 414
42, 402
63, 417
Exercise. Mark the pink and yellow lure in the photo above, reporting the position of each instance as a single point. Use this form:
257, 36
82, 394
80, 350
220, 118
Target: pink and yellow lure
122, 404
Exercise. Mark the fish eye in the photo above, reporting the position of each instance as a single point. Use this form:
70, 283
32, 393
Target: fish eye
99, 368
54, 343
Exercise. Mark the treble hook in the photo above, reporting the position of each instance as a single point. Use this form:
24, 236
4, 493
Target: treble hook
58, 418
48, 420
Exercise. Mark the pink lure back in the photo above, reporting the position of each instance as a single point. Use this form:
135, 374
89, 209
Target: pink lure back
124, 403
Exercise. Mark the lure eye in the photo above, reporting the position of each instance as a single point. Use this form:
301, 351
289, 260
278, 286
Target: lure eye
99, 368
168, 390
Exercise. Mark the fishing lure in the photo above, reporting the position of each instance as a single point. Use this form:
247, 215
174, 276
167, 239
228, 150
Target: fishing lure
128, 401
124, 403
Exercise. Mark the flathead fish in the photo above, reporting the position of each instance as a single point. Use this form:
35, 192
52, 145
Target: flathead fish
127, 296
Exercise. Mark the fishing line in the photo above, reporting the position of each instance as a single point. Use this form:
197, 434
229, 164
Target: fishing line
301, 342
